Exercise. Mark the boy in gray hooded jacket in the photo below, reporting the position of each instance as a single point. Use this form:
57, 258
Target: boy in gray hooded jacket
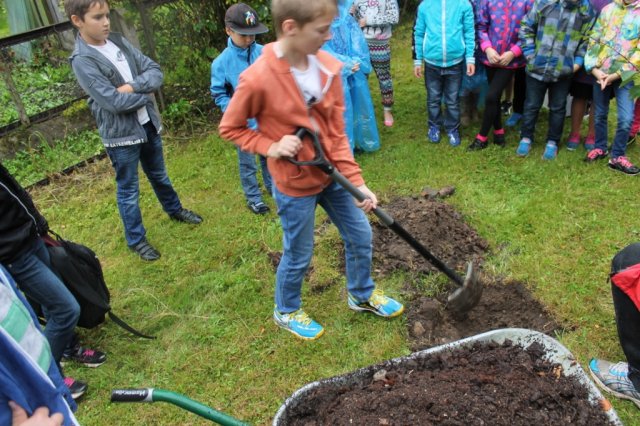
120, 80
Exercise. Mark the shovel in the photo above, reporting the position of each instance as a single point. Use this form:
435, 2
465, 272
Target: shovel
469, 290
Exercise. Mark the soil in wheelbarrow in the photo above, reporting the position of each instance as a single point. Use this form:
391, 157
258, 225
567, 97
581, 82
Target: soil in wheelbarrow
486, 384
443, 231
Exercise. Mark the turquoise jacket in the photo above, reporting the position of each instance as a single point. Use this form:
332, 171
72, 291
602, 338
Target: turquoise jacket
444, 33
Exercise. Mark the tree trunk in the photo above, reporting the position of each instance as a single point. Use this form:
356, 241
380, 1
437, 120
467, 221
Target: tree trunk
5, 70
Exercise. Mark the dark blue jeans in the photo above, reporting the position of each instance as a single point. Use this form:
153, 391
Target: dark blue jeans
125, 161
249, 173
558, 92
625, 104
34, 277
443, 83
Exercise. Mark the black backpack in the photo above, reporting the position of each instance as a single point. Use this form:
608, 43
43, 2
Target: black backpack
79, 269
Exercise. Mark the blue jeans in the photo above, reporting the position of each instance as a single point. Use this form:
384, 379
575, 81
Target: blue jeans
443, 83
625, 104
297, 216
558, 92
125, 161
248, 176
33, 275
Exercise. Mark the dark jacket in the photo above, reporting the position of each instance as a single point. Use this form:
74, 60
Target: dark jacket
20, 222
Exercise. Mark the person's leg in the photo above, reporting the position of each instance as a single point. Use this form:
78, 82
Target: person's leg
248, 176
266, 176
558, 93
601, 100
297, 216
628, 324
578, 108
152, 160
433, 82
124, 160
519, 90
33, 275
355, 231
535, 96
635, 125
380, 53
452, 82
498, 79
625, 104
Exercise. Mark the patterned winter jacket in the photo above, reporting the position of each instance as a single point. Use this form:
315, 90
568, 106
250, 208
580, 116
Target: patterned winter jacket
552, 37
498, 27
614, 43
379, 16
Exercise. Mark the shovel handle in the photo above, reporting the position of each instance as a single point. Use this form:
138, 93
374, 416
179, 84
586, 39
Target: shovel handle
320, 160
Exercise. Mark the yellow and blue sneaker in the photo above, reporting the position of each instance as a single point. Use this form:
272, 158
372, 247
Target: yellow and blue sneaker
378, 303
298, 323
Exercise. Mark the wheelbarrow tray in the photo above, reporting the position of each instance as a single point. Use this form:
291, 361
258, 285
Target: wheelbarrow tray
555, 352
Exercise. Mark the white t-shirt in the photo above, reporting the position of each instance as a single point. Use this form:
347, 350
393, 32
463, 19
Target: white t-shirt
309, 80
117, 58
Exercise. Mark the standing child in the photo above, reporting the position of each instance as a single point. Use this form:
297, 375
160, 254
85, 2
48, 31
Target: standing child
447, 49
294, 85
553, 43
349, 46
498, 27
242, 26
614, 46
376, 18
120, 81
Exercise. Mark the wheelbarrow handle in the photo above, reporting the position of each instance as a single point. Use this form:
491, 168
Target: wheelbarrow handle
154, 395
384, 217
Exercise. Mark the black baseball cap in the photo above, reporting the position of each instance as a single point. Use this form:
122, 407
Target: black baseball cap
242, 19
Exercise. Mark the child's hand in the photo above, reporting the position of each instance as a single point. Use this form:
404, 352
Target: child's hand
492, 55
417, 71
610, 78
576, 67
471, 69
40, 416
362, 22
355, 68
288, 146
371, 201
125, 88
506, 58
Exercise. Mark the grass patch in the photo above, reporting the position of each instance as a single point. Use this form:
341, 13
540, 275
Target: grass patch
553, 225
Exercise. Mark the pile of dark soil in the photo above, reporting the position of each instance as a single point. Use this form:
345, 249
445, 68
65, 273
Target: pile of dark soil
441, 229
487, 384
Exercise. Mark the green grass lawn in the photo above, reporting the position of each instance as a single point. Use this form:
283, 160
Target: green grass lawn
553, 225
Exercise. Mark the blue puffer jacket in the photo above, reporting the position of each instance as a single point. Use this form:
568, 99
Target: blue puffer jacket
444, 33
226, 69
115, 112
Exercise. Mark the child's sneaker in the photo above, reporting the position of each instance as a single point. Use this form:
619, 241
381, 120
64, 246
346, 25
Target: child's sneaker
477, 145
614, 378
595, 154
454, 138
434, 134
499, 139
513, 120
87, 357
298, 323
550, 151
505, 106
573, 142
378, 303
524, 147
622, 164
76, 388
590, 142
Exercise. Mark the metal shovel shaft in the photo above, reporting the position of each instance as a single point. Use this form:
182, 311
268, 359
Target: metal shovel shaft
396, 227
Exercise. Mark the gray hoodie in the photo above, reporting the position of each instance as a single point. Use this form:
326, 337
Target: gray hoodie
116, 113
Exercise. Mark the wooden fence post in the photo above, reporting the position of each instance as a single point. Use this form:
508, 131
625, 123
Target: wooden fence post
5, 70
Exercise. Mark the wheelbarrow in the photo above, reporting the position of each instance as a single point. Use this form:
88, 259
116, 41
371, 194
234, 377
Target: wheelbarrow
155, 395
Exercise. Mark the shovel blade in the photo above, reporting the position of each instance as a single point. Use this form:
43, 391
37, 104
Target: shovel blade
465, 298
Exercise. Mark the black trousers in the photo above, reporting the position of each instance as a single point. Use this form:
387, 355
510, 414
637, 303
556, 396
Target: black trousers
628, 323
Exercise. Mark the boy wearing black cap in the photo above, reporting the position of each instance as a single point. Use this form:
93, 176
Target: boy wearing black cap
241, 25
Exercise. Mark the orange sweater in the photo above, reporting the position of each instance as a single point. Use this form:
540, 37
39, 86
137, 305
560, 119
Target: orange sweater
268, 91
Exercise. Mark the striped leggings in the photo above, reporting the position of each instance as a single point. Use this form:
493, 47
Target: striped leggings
380, 52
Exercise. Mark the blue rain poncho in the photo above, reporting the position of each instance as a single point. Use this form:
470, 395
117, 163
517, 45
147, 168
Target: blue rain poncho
349, 46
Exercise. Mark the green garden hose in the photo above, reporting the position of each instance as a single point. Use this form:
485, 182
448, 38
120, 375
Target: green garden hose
153, 395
